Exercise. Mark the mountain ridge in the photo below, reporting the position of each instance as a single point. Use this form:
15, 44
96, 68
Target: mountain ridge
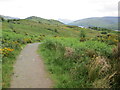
8, 17
42, 20
104, 22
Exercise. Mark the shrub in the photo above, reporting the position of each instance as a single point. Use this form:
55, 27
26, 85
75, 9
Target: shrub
82, 34
68, 52
2, 19
103, 32
81, 64
56, 30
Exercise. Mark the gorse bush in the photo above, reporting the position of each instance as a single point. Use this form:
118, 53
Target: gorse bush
83, 36
12, 44
78, 64
103, 32
110, 39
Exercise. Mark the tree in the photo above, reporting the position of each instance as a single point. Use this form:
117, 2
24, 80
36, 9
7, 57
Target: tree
56, 30
2, 19
39, 22
103, 32
8, 20
82, 34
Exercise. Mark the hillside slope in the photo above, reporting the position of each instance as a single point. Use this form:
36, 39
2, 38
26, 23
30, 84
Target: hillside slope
105, 22
46, 21
31, 27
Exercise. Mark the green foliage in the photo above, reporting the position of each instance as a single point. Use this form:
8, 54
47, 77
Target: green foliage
111, 39
103, 32
63, 52
35, 28
70, 26
12, 44
103, 22
41, 20
75, 64
56, 30
100, 29
2, 19
82, 34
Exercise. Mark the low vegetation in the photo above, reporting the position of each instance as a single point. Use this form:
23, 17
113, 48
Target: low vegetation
75, 57
76, 64
12, 44
16, 34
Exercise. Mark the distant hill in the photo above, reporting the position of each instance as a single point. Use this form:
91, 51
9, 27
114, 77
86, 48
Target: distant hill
65, 21
104, 22
35, 29
8, 17
47, 21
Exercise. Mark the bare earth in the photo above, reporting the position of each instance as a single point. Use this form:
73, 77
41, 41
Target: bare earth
29, 71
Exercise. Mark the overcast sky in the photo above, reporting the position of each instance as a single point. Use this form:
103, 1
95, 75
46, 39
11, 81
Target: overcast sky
55, 9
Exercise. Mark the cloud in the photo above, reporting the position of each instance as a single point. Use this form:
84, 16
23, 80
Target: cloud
119, 9
109, 8
4, 0
54, 9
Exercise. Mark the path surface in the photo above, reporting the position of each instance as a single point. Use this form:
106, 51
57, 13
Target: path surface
29, 71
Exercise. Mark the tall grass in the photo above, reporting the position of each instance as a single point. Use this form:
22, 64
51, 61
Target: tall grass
12, 44
75, 64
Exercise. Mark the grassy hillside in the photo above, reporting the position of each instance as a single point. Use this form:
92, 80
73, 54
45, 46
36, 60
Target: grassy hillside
60, 41
81, 63
105, 22
45, 21
29, 27
17, 33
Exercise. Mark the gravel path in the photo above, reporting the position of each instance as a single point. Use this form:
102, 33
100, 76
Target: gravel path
29, 71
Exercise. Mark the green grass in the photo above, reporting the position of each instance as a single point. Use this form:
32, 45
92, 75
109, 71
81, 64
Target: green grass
41, 20
104, 22
75, 64
7, 69
70, 69
13, 41
35, 28
0, 72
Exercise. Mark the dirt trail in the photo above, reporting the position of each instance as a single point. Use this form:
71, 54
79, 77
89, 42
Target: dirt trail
29, 71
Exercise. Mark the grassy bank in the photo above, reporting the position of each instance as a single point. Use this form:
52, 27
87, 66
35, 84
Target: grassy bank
7, 68
12, 44
86, 64
69, 59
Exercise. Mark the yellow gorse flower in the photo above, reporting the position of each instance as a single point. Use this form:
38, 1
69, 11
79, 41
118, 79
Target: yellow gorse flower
5, 51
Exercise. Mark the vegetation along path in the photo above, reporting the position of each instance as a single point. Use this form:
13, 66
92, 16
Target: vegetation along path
29, 71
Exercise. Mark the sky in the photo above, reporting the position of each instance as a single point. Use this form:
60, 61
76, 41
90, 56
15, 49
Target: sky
55, 9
